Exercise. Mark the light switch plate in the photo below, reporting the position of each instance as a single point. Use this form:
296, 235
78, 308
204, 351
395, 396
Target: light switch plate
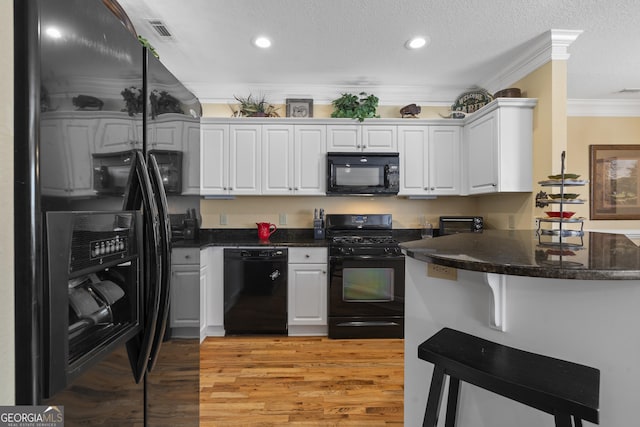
283, 219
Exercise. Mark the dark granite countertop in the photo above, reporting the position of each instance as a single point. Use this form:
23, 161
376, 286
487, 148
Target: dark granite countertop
595, 256
292, 237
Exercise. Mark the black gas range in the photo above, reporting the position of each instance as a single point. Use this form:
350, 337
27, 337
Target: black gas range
366, 285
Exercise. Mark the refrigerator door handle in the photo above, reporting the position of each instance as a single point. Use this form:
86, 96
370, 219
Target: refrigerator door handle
165, 252
140, 195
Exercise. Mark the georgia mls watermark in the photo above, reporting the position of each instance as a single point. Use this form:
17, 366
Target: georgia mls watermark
31, 416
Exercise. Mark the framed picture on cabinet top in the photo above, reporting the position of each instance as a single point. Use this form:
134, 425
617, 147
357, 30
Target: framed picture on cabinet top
299, 107
615, 186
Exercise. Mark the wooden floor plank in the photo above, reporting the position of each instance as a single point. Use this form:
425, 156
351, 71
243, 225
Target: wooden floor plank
301, 381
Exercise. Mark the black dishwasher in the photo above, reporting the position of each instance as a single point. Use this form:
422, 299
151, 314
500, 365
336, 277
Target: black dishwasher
255, 291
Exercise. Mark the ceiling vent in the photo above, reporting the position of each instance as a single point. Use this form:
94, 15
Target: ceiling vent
160, 28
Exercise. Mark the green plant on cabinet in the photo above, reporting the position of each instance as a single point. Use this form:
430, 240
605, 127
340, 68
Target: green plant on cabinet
355, 107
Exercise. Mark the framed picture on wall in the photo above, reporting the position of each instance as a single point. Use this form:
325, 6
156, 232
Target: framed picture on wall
615, 186
299, 107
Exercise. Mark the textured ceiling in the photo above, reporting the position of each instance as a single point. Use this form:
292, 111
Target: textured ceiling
324, 47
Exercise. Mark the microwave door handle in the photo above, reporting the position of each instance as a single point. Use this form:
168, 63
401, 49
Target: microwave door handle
165, 260
140, 195
385, 176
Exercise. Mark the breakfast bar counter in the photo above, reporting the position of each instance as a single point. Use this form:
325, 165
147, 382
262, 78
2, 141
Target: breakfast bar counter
578, 300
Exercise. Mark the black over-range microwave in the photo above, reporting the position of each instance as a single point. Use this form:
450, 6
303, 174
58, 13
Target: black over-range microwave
363, 174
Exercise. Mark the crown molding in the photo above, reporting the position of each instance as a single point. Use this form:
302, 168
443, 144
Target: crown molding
321, 94
603, 107
551, 45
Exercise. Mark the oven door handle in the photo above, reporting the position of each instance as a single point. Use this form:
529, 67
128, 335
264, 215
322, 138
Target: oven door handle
368, 323
366, 257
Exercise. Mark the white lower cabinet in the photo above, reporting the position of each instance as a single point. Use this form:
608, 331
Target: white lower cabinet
307, 297
204, 269
184, 311
212, 267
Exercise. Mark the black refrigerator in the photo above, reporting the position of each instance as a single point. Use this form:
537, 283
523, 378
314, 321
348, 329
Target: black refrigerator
106, 148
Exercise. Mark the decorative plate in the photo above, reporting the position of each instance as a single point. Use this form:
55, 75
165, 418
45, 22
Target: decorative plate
566, 176
566, 196
556, 214
472, 101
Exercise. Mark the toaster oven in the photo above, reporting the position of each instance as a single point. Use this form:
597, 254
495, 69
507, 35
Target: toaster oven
460, 224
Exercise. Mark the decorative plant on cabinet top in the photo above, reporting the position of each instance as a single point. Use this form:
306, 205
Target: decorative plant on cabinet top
256, 107
355, 107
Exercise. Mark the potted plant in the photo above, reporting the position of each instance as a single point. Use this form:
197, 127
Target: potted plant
133, 99
356, 107
256, 107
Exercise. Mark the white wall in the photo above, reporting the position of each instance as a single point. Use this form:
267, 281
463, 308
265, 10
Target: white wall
6, 205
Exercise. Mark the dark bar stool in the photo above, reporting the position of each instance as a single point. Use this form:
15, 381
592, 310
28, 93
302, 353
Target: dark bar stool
560, 388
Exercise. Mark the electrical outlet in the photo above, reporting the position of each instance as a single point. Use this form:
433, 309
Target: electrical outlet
442, 272
536, 223
283, 219
223, 219
512, 222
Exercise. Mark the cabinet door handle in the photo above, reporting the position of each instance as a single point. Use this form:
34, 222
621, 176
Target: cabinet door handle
295, 188
306, 255
324, 272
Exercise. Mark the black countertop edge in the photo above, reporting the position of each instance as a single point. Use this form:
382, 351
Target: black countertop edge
514, 270
294, 237
602, 256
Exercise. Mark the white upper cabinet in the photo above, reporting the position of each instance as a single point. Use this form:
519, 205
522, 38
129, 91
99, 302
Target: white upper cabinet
277, 159
380, 138
310, 160
444, 160
293, 160
498, 146
244, 159
414, 160
230, 159
489, 151
191, 158
358, 137
345, 137
214, 160
429, 160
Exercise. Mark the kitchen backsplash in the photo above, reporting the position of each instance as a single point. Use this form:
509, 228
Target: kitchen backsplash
297, 212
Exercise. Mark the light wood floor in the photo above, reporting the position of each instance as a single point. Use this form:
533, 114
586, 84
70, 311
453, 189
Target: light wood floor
305, 381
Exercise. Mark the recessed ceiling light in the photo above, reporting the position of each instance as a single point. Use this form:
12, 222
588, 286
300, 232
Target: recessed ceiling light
417, 42
53, 32
262, 42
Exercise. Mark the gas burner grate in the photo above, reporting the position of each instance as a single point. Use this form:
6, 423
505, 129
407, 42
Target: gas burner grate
364, 240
